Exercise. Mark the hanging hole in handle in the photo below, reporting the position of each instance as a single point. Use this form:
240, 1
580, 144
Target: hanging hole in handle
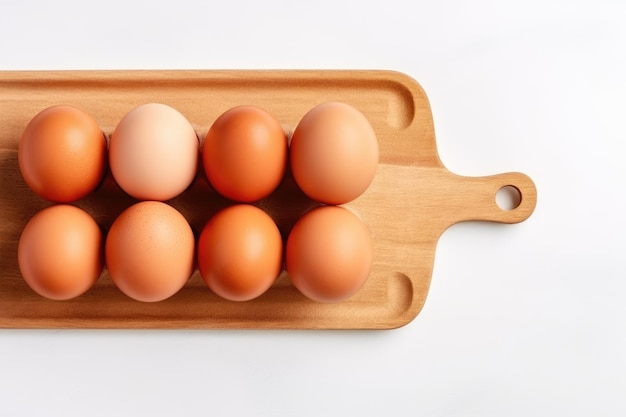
508, 197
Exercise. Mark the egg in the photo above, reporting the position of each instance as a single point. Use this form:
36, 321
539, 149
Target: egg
153, 152
149, 251
329, 254
62, 154
245, 154
334, 153
240, 252
60, 252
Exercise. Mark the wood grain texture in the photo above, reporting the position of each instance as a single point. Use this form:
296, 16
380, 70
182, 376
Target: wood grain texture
412, 200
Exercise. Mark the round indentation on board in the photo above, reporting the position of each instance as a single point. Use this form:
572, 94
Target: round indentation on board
401, 106
508, 197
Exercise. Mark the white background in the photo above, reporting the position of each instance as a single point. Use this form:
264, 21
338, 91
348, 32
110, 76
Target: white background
521, 320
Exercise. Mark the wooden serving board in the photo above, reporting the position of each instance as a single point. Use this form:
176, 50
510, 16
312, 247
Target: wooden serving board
411, 202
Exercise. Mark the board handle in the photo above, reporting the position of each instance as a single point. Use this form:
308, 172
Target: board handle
477, 200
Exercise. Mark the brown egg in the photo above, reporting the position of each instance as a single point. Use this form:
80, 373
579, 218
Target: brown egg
154, 152
150, 251
334, 153
240, 252
60, 252
62, 154
245, 154
329, 254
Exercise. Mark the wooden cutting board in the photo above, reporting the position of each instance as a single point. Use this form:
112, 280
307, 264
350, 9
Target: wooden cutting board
411, 202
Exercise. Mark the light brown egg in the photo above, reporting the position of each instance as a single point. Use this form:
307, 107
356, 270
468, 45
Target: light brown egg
240, 252
334, 153
150, 251
60, 252
153, 152
329, 254
62, 154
